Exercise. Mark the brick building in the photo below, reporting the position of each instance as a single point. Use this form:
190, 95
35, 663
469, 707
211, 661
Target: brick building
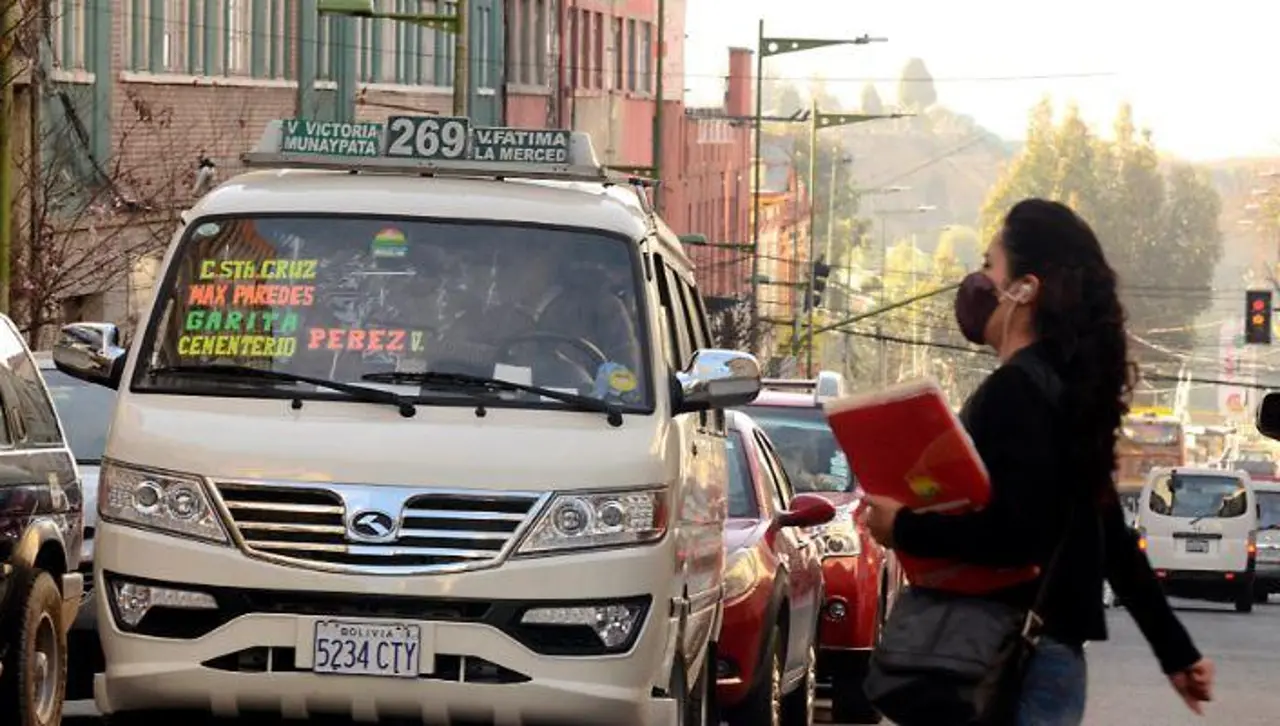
784, 232
137, 90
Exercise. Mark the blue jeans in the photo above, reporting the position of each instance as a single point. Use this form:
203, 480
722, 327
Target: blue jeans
1053, 692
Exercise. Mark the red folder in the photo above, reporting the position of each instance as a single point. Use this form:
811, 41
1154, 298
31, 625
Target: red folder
905, 443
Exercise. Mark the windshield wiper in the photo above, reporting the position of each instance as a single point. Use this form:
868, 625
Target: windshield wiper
1206, 515
358, 393
466, 382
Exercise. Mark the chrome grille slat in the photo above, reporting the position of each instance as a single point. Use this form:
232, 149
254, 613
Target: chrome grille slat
406, 533
479, 516
438, 530
277, 507
292, 527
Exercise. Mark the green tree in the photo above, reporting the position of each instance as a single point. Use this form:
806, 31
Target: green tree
915, 86
1159, 227
871, 102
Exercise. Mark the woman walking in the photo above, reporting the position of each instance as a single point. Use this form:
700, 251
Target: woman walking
1046, 291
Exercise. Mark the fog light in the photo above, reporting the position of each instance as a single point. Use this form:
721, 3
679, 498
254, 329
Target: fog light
134, 601
613, 624
836, 610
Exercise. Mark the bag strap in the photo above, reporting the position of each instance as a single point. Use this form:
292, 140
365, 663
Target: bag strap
1050, 384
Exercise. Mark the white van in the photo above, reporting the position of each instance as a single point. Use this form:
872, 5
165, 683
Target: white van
409, 434
1198, 527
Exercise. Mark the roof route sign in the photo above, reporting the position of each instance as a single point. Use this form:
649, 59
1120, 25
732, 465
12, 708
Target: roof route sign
438, 139
428, 137
331, 138
528, 146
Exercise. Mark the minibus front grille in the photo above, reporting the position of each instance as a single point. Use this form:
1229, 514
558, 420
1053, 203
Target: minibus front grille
436, 531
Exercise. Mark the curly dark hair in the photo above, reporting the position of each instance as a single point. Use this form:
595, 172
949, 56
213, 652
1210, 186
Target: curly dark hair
1082, 323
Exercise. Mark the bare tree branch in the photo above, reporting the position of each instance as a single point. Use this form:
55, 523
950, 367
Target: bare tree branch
84, 226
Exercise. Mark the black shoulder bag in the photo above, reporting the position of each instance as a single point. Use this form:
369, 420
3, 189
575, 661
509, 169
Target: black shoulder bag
953, 660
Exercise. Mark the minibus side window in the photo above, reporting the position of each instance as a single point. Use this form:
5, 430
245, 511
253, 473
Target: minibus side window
672, 344
684, 330
701, 333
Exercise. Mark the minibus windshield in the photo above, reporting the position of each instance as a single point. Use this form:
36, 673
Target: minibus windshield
378, 302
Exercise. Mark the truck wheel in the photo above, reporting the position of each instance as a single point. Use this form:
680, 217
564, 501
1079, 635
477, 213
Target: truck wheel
849, 702
1244, 599
35, 667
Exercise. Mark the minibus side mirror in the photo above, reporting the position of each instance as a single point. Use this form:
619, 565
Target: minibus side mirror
718, 379
807, 510
92, 352
1269, 416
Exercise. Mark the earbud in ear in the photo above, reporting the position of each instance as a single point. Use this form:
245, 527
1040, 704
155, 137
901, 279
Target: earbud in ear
1024, 291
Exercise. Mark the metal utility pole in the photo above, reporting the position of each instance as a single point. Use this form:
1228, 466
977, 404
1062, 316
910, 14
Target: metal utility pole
461, 61
658, 107
757, 165
813, 232
817, 120
35, 161
8, 47
304, 47
770, 47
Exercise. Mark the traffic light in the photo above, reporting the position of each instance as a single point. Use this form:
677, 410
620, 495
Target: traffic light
1257, 325
821, 271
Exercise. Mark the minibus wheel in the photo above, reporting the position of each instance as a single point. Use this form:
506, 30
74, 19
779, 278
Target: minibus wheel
35, 650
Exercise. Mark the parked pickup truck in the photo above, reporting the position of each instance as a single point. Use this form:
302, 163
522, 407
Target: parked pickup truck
41, 532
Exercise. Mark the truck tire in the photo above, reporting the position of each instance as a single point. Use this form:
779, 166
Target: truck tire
35, 660
1244, 599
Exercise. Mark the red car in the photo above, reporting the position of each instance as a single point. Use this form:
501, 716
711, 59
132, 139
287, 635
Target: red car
767, 652
861, 578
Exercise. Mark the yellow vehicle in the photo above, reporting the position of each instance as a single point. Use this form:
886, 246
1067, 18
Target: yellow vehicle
1149, 438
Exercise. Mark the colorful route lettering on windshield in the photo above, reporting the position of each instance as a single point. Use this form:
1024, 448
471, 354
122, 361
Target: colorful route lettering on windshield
226, 315
258, 269
373, 340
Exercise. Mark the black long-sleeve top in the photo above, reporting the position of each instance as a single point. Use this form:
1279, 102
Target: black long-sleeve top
1013, 423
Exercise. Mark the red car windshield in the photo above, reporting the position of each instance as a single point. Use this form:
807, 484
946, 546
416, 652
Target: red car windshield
742, 495
809, 452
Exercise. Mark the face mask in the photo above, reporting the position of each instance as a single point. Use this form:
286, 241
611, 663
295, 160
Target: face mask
976, 301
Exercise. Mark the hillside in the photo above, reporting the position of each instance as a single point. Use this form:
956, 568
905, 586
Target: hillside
947, 161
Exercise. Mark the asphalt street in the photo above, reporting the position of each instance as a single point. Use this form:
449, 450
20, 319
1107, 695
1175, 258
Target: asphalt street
1126, 687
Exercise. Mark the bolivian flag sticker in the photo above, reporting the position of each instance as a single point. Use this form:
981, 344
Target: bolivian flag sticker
389, 243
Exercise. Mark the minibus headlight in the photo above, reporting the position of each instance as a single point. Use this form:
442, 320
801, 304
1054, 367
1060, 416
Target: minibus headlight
598, 519
158, 500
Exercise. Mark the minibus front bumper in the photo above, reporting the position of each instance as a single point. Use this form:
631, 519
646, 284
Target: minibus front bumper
253, 650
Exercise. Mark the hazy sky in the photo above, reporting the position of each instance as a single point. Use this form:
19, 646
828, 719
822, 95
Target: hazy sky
1200, 75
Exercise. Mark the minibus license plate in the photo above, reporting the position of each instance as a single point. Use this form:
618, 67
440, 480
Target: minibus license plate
1197, 545
367, 649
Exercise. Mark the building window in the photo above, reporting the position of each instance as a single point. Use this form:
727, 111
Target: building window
631, 54
584, 48
204, 37
573, 48
645, 57
619, 66
484, 16
70, 35
597, 51
236, 38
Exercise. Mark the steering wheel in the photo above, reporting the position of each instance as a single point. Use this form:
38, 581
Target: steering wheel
592, 351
